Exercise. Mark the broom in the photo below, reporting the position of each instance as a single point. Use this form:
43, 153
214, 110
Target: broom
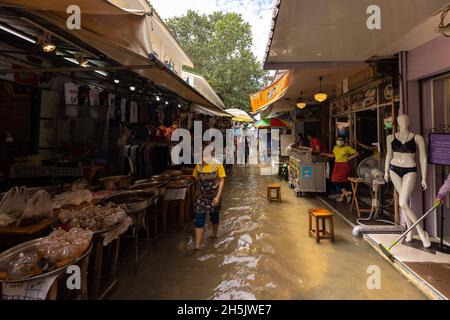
386, 251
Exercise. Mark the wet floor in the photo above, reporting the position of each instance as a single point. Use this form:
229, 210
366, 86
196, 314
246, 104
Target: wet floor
263, 252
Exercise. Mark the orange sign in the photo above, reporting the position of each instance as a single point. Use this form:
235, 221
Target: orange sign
270, 94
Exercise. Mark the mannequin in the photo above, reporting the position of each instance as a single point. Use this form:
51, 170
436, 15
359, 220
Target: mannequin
401, 167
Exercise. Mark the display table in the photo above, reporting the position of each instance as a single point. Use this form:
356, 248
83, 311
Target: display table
12, 234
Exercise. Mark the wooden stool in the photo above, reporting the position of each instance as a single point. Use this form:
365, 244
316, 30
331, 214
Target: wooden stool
320, 232
355, 201
275, 187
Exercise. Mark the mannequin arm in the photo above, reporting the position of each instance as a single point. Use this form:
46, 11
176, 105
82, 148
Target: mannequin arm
423, 160
389, 156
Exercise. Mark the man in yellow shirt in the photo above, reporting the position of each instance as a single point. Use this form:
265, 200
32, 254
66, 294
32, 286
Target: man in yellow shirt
211, 180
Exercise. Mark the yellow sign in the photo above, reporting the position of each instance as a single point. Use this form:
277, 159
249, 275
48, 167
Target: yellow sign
270, 94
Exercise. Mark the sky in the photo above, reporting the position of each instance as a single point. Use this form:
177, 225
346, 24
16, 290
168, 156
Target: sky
256, 12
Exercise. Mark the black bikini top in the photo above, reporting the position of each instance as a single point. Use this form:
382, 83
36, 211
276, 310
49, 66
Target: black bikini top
408, 147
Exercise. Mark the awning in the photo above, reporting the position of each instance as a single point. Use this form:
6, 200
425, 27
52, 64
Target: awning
210, 112
120, 29
330, 33
239, 115
272, 93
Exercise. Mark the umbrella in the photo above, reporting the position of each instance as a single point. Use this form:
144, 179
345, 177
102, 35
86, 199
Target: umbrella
239, 115
270, 123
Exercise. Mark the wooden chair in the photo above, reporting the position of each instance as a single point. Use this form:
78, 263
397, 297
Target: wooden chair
320, 232
270, 196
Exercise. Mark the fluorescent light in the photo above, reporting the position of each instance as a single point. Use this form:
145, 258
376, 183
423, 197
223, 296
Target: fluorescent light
74, 61
17, 34
103, 73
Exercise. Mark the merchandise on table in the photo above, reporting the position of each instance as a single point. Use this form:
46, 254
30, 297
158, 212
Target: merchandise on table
94, 217
38, 257
72, 198
179, 183
20, 207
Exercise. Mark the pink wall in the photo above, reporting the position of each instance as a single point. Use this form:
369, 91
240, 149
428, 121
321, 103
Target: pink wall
429, 59
424, 62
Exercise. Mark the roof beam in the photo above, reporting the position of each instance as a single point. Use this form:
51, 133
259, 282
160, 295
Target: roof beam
79, 69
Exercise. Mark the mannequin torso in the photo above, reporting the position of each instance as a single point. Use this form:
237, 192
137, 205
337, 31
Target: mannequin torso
403, 140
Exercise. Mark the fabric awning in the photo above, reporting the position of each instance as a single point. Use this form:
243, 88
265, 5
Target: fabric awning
210, 112
271, 94
239, 115
120, 29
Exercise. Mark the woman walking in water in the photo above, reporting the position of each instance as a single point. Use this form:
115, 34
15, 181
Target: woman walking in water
211, 180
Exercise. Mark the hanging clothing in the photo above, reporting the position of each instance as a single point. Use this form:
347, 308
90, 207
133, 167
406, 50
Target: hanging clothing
123, 110
146, 159
134, 114
71, 93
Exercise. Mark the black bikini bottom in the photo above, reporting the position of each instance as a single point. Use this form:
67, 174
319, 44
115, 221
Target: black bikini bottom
401, 172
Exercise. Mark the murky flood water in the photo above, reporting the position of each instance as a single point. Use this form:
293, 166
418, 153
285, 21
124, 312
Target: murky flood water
263, 252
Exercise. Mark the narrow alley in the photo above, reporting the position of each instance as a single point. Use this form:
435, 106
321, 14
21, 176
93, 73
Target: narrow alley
263, 252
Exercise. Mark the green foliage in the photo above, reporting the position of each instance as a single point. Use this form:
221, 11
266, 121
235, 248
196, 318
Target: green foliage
219, 44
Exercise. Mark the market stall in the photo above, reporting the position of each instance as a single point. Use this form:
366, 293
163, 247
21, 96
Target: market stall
307, 172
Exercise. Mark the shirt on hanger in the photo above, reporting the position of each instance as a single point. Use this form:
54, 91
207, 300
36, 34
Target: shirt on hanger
134, 116
71, 93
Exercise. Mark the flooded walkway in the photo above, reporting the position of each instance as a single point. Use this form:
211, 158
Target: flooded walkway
263, 252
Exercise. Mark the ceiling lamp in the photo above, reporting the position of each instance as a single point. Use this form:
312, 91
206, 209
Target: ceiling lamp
46, 43
320, 96
132, 87
82, 61
301, 104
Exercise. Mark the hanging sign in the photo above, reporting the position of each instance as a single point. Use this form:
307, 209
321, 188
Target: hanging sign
272, 93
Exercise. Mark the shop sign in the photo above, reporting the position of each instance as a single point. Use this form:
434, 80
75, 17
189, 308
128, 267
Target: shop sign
439, 149
271, 94
307, 172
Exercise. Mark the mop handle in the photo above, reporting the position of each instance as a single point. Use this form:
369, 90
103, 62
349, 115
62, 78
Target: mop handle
413, 226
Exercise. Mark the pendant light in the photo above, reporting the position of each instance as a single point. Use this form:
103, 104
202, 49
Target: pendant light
301, 104
46, 43
320, 96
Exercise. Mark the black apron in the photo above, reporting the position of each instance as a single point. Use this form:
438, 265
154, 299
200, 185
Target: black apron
207, 191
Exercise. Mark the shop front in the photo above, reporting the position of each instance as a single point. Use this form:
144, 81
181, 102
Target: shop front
85, 138
427, 98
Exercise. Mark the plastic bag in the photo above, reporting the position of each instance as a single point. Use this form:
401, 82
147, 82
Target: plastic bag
13, 205
38, 208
